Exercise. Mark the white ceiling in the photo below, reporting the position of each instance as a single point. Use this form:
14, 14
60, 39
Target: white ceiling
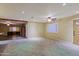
37, 11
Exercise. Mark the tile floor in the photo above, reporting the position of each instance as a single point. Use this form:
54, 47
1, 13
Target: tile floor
37, 47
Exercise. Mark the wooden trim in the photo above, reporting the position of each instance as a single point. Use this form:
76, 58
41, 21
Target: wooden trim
13, 20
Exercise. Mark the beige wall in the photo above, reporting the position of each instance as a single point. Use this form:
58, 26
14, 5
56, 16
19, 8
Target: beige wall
35, 29
56, 36
65, 29
50, 35
68, 35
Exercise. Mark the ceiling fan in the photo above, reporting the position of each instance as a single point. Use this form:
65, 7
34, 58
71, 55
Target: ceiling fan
50, 19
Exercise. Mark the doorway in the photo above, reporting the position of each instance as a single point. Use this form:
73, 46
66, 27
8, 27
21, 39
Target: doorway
76, 32
12, 28
17, 30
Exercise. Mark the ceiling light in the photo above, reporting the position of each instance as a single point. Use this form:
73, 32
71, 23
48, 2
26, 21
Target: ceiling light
77, 23
77, 12
63, 4
8, 24
22, 12
49, 19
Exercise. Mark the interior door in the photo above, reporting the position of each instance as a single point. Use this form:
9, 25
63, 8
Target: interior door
76, 32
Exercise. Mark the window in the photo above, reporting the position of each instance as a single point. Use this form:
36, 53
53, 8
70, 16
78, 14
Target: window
14, 29
52, 27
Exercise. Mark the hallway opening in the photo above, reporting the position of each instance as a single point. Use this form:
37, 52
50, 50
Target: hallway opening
12, 28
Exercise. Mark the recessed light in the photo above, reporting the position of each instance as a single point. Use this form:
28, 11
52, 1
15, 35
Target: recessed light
22, 12
77, 12
77, 23
8, 24
63, 4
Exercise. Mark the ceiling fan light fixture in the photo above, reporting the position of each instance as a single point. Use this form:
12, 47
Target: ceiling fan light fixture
8, 24
49, 19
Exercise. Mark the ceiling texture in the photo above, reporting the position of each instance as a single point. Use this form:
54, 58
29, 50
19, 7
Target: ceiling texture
37, 11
